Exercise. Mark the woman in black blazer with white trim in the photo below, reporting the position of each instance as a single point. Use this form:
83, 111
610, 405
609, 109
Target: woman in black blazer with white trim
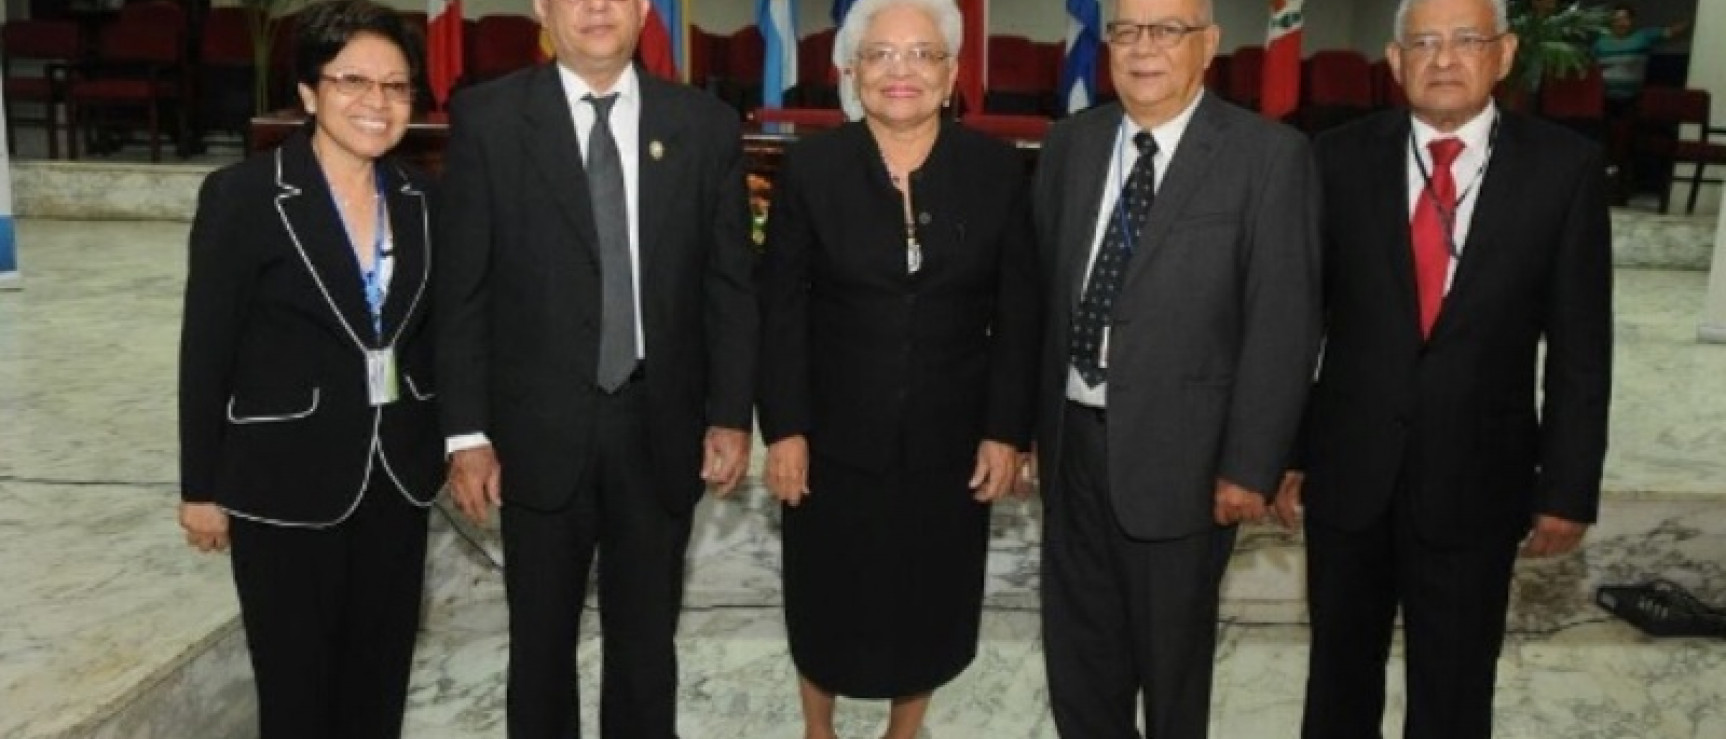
309, 438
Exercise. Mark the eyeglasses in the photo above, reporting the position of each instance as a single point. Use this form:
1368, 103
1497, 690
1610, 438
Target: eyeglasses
1162, 35
921, 58
1427, 45
358, 85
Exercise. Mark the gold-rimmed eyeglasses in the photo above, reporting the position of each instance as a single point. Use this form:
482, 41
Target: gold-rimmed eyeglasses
917, 57
1428, 45
357, 85
1162, 35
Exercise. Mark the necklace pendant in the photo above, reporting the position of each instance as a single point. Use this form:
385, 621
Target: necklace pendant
913, 256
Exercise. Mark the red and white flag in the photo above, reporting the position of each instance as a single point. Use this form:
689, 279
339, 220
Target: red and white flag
1279, 91
443, 47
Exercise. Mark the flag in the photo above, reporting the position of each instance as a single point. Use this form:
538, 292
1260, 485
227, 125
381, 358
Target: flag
777, 20
661, 47
443, 47
840, 8
1279, 91
1078, 87
8, 241
974, 54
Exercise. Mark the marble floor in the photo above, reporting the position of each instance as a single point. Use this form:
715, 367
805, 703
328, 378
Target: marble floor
110, 627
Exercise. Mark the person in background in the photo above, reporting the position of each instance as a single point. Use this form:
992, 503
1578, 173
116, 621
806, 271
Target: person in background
1623, 56
900, 313
308, 435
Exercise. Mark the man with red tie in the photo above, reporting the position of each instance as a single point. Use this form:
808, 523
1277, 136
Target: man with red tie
1467, 255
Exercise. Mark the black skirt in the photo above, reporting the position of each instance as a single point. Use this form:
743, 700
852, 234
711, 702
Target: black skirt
883, 576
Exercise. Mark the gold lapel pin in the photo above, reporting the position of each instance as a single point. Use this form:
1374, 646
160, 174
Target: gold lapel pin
656, 150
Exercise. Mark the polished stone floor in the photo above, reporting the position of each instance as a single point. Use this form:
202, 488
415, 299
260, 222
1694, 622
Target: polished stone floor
110, 627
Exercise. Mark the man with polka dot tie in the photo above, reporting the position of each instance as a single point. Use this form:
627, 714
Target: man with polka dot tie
1178, 235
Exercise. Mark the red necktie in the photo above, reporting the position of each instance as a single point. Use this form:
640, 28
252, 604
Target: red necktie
1431, 231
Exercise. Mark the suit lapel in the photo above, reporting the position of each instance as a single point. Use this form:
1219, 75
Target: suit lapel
1088, 169
1385, 179
663, 162
308, 214
1508, 171
552, 147
1188, 169
412, 249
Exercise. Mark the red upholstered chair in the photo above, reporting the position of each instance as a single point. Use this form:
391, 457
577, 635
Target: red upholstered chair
701, 61
1577, 102
1012, 127
745, 57
817, 78
1246, 74
140, 63
1386, 93
1673, 128
51, 45
1217, 75
224, 76
1338, 89
1020, 79
812, 117
283, 92
501, 44
1105, 76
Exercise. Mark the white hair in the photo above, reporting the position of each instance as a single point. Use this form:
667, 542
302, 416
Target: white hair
1206, 12
945, 14
1500, 16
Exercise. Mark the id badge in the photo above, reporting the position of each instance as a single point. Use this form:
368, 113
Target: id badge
381, 376
1103, 350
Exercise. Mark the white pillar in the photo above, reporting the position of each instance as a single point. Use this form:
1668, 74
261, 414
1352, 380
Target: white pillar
1708, 72
1713, 326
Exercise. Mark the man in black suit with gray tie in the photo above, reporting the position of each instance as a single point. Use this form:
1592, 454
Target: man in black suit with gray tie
1178, 233
597, 350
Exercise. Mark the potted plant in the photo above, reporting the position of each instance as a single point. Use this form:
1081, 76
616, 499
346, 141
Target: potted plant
1552, 37
263, 18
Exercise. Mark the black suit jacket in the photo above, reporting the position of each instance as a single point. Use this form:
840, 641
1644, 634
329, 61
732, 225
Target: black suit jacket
879, 367
275, 423
1454, 420
1214, 330
519, 285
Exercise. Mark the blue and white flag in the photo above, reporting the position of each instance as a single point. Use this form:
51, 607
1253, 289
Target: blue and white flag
8, 242
840, 8
777, 20
1078, 87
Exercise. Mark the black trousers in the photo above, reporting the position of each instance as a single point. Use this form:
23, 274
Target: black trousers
1453, 602
1123, 617
547, 556
331, 616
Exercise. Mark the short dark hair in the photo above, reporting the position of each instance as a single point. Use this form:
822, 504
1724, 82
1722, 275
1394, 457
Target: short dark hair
325, 28
1625, 8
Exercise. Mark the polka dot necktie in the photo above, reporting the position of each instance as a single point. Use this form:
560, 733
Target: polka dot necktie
1126, 223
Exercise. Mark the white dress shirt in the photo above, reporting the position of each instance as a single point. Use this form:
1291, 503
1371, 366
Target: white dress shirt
1168, 136
1468, 170
625, 121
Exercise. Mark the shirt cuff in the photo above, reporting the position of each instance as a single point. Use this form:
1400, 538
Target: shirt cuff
460, 442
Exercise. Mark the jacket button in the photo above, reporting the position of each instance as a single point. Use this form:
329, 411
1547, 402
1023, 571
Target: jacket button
924, 218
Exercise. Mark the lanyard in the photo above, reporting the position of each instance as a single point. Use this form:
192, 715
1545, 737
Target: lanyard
1447, 214
372, 279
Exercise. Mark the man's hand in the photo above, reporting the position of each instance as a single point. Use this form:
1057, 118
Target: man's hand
1028, 481
996, 472
1553, 536
475, 481
724, 459
206, 526
1235, 504
788, 469
1287, 508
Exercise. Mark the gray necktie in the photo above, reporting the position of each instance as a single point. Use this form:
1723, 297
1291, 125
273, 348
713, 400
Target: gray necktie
611, 221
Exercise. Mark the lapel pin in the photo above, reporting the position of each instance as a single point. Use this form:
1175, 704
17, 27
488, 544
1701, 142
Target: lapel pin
656, 150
